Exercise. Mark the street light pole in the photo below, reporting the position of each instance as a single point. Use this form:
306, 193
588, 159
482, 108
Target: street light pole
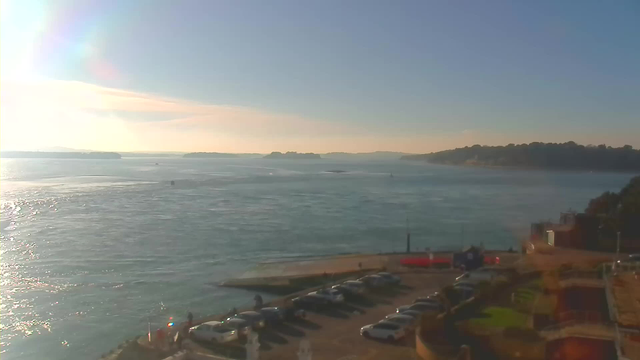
618, 246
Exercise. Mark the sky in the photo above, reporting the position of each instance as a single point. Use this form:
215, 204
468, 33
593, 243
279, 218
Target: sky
318, 76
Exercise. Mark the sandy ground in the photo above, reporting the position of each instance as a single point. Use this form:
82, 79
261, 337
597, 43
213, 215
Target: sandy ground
335, 334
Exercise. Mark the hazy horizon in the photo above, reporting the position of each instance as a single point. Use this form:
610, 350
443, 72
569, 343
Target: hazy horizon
358, 76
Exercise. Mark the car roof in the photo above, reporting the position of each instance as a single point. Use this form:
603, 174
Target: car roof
400, 316
412, 312
212, 323
465, 282
235, 320
427, 299
270, 308
356, 282
384, 273
422, 305
249, 313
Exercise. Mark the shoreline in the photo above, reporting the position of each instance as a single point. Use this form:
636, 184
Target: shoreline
535, 168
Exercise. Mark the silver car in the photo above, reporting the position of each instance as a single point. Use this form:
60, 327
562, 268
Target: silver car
252, 317
408, 322
242, 326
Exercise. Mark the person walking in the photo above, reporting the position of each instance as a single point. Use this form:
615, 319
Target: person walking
258, 300
189, 319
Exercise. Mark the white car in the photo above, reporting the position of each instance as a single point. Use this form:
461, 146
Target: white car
383, 330
332, 295
213, 331
406, 321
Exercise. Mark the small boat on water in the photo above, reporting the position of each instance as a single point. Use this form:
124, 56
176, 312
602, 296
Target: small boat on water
173, 183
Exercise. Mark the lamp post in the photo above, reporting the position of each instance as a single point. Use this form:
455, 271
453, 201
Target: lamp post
618, 246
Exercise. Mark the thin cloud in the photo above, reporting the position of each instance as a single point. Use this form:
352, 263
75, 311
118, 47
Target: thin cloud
138, 106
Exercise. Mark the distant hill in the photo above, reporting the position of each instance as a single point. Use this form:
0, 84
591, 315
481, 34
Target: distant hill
376, 155
61, 149
569, 156
150, 155
210, 155
292, 155
59, 155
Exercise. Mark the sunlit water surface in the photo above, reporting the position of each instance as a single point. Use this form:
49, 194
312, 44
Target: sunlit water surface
91, 250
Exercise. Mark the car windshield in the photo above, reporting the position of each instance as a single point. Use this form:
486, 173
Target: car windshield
171, 163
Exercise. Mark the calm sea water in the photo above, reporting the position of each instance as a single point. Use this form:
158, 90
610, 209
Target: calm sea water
93, 250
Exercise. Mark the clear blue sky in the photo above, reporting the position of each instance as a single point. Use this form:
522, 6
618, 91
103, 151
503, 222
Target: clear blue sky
365, 75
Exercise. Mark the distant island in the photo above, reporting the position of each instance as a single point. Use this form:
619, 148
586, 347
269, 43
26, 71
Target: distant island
569, 156
376, 155
59, 155
148, 155
210, 155
292, 155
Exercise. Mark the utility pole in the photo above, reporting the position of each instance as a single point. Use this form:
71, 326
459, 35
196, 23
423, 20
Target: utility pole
618, 246
408, 237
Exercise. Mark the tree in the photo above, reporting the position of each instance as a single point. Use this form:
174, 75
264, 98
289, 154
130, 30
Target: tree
605, 204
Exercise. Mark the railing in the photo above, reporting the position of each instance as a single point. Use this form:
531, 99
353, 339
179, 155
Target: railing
626, 348
625, 266
575, 317
613, 313
579, 274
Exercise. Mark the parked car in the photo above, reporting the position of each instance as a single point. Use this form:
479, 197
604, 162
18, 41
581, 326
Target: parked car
427, 299
273, 315
407, 322
373, 281
341, 289
384, 330
389, 278
242, 327
332, 295
255, 319
354, 286
213, 331
482, 274
634, 257
432, 300
293, 313
422, 307
311, 302
466, 289
413, 313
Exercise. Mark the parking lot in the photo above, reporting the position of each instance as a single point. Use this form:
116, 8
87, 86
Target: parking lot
335, 333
